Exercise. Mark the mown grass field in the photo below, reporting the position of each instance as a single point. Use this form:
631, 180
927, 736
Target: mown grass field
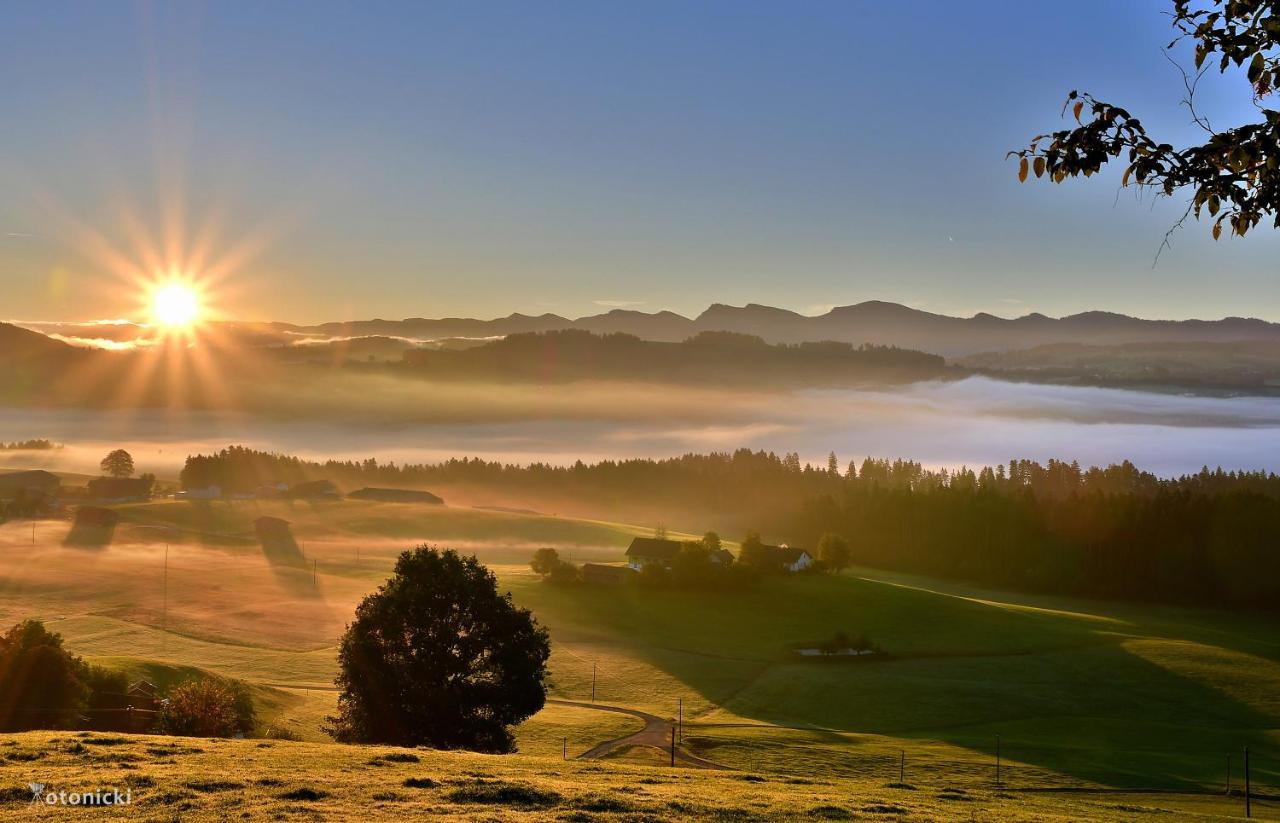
1084, 695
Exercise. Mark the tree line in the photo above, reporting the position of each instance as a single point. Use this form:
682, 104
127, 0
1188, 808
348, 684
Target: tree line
715, 357
1204, 539
1113, 531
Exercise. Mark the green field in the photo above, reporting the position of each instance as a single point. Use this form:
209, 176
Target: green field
1083, 695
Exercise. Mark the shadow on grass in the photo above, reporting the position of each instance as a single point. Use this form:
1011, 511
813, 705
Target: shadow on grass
1065, 690
93, 528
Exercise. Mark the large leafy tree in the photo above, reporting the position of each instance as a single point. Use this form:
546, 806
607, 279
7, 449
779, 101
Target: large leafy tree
118, 463
1233, 177
437, 657
42, 685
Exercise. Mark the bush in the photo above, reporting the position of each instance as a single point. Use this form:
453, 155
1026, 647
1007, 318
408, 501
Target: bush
547, 563
834, 551
275, 732
206, 708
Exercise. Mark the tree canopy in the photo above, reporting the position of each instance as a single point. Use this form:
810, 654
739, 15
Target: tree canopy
1234, 175
119, 463
42, 685
437, 657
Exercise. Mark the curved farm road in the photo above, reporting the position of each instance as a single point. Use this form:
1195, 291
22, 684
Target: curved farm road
656, 734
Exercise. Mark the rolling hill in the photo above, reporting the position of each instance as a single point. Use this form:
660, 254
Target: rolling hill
1092, 700
878, 322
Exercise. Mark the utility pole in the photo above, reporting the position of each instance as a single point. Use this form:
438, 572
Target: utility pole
313, 572
680, 718
164, 613
593, 681
33, 532
1248, 801
564, 749
1228, 775
902, 768
997, 760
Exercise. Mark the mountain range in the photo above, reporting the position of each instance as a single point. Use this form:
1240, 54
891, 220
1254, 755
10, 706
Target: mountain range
870, 322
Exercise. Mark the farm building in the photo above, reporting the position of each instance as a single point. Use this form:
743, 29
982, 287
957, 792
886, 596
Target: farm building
600, 574
202, 493
314, 490
395, 496
645, 551
788, 558
722, 557
120, 489
15, 483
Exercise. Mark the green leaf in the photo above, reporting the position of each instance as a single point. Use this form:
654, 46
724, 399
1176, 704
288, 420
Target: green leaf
1255, 67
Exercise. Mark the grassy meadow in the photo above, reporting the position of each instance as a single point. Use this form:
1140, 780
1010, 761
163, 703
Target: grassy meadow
209, 780
1091, 700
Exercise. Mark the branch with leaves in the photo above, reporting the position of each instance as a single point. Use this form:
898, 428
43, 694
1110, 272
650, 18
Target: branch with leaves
1234, 176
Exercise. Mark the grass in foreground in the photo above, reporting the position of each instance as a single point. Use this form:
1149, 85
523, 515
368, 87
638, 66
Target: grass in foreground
204, 780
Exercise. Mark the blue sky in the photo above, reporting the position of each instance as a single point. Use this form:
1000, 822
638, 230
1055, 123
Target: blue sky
432, 159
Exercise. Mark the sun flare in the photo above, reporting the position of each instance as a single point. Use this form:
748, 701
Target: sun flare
175, 306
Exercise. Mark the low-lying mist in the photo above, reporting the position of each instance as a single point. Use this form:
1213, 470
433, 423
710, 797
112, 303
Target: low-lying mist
940, 423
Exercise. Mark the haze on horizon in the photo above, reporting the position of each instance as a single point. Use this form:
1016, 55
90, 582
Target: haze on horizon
474, 161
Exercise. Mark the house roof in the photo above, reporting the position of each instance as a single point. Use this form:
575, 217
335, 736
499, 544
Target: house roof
313, 488
653, 547
395, 495
119, 487
786, 554
722, 555
36, 478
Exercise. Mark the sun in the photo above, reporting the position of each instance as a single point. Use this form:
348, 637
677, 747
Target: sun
175, 306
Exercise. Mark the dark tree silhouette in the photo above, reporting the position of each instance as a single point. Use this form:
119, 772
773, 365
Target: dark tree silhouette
834, 551
118, 463
437, 657
41, 683
751, 550
545, 561
1235, 174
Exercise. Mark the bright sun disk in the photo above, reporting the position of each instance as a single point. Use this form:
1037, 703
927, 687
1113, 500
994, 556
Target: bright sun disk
175, 305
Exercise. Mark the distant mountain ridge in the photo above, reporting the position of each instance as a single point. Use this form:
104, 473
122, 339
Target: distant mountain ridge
873, 321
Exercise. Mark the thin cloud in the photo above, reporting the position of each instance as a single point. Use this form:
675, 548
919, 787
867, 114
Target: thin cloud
619, 304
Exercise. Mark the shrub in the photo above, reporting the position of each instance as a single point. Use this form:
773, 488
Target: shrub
275, 732
204, 708
834, 551
547, 563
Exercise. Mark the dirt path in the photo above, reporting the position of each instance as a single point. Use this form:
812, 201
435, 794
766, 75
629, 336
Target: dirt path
655, 734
